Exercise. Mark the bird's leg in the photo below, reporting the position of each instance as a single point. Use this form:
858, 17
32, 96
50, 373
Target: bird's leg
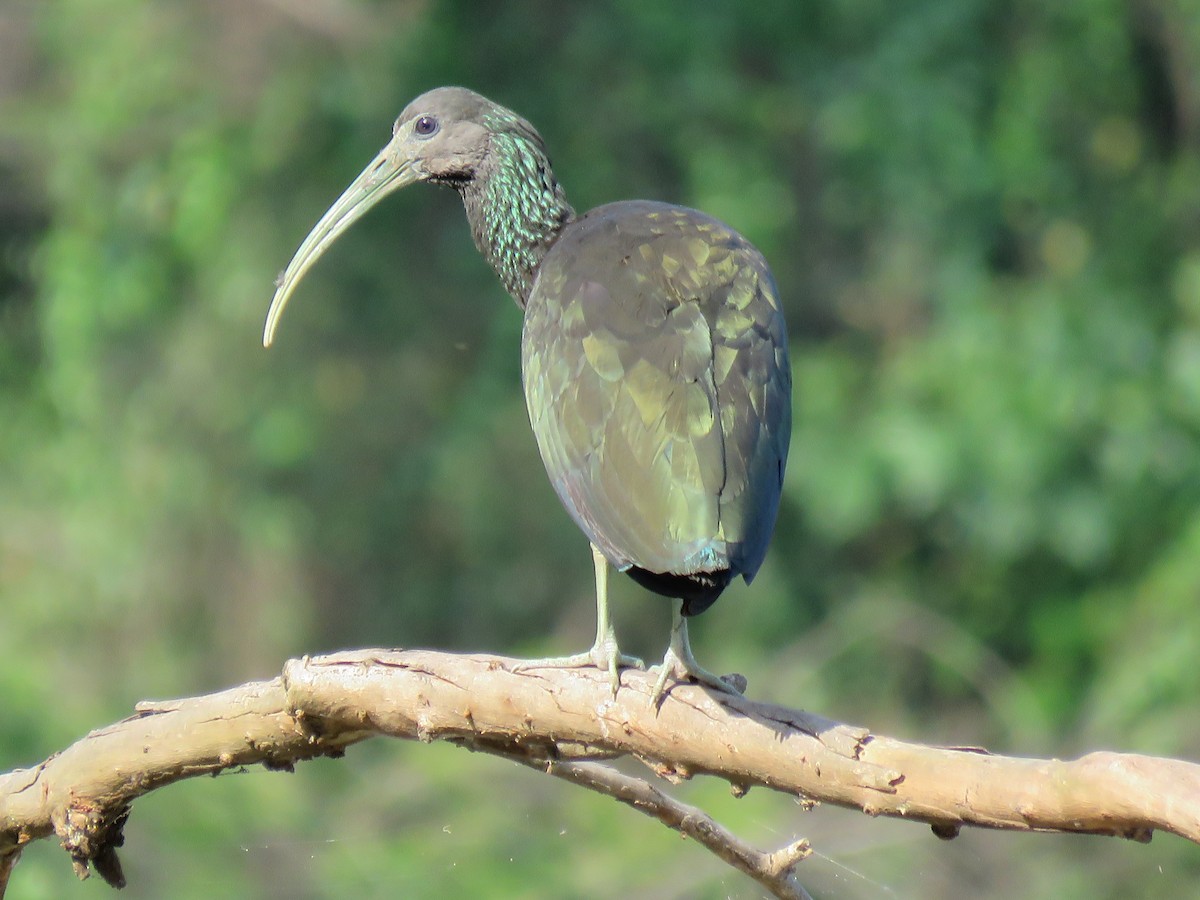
605, 655
604, 652
679, 664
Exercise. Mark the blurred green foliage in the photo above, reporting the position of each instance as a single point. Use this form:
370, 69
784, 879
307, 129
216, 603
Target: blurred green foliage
983, 218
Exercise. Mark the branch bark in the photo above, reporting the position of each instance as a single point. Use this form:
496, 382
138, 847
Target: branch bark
555, 720
776, 871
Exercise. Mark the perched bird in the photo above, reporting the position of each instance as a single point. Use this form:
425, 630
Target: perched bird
653, 356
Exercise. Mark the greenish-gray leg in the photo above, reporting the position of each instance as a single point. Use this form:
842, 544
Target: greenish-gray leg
605, 655
680, 664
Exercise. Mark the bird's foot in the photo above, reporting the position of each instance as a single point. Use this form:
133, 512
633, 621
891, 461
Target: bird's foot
604, 655
678, 667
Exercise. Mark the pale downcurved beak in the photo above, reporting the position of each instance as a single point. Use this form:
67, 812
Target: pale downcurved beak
388, 172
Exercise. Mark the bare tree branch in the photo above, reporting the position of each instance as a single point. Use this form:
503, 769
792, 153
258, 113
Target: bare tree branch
776, 871
8, 859
548, 718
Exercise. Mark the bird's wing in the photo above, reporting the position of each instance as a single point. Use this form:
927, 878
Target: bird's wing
655, 370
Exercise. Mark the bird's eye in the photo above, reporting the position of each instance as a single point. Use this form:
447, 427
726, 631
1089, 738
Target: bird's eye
425, 126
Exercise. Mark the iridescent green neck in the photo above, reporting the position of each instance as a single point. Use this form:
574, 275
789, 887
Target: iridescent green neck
515, 205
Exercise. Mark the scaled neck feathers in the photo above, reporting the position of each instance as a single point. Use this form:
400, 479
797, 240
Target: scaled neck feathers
514, 204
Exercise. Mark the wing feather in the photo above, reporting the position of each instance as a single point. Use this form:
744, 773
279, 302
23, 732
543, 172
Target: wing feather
654, 359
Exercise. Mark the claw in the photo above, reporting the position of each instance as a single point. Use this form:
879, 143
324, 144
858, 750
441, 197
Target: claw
679, 663
605, 655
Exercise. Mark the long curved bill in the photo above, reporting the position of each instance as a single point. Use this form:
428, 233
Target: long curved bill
388, 172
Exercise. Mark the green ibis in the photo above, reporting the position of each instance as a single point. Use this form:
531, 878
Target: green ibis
653, 357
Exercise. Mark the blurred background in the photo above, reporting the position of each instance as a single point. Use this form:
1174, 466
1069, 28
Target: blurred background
983, 216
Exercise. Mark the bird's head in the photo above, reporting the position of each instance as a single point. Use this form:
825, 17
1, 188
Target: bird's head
444, 136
